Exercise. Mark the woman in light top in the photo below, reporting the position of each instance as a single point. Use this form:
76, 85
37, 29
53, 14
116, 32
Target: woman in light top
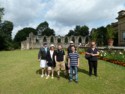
51, 61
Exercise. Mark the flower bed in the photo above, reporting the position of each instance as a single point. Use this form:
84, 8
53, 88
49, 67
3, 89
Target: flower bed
81, 51
112, 56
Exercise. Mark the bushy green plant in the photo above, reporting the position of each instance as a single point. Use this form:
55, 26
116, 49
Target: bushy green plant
113, 55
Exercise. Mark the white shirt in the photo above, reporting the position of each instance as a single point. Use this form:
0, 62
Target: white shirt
51, 53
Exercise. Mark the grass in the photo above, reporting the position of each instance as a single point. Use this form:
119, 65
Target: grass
20, 74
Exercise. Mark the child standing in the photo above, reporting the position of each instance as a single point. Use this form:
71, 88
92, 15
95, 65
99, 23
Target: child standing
73, 64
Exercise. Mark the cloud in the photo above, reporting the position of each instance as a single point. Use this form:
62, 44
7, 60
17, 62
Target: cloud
62, 15
60, 29
84, 11
19, 27
22, 12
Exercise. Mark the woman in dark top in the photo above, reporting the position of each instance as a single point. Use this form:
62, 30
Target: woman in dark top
51, 61
92, 52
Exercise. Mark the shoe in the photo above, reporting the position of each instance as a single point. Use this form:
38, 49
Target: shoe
96, 75
58, 77
47, 77
74, 77
76, 82
42, 76
70, 81
90, 75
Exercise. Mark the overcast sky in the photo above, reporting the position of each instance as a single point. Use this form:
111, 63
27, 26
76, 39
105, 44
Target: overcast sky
62, 15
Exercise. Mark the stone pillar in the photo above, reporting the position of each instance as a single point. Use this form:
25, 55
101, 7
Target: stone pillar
28, 43
63, 40
22, 45
48, 40
77, 40
55, 40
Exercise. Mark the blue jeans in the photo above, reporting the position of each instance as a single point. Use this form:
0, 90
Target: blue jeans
75, 69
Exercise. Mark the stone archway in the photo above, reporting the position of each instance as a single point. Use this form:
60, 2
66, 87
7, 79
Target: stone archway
73, 39
66, 39
44, 39
80, 40
59, 40
52, 39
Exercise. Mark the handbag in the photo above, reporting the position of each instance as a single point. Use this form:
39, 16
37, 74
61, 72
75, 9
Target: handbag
87, 56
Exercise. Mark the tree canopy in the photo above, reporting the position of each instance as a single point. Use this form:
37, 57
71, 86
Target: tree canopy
102, 34
1, 13
5, 35
22, 34
79, 30
44, 29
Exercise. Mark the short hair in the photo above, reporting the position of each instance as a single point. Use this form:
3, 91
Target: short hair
60, 45
44, 43
93, 41
73, 46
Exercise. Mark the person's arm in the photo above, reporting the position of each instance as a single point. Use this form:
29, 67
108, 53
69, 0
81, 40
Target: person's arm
68, 62
88, 52
97, 54
64, 57
47, 56
55, 58
78, 63
39, 55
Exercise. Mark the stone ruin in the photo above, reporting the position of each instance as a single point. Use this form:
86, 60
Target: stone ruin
35, 41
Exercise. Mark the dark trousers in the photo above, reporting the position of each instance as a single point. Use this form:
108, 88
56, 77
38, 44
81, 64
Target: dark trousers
92, 65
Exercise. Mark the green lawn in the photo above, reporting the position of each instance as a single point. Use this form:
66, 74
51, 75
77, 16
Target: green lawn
19, 74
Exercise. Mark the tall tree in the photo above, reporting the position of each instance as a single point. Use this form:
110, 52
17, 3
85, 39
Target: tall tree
7, 27
71, 32
110, 32
79, 31
44, 29
5, 35
93, 35
22, 34
1, 13
101, 36
84, 30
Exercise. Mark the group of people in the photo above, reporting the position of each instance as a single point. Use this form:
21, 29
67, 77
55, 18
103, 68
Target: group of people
52, 60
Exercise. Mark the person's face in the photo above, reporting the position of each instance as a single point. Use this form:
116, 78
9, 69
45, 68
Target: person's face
71, 44
93, 44
59, 47
73, 49
45, 45
52, 48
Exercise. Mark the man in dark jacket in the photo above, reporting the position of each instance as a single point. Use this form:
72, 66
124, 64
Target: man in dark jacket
42, 58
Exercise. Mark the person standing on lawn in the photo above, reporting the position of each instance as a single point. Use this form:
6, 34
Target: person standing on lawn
92, 60
42, 58
69, 50
51, 61
73, 64
60, 60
